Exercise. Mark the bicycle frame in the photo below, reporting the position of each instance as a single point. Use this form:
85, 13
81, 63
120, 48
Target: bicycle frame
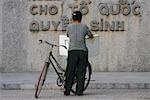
60, 79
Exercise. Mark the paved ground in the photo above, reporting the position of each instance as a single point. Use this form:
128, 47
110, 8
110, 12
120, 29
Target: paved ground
90, 94
104, 86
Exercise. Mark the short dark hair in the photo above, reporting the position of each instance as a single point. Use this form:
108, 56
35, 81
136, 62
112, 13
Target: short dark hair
77, 16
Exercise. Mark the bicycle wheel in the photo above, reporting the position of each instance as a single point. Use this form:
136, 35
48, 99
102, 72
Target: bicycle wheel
87, 78
41, 80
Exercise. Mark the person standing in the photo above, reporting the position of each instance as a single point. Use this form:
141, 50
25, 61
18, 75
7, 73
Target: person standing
77, 54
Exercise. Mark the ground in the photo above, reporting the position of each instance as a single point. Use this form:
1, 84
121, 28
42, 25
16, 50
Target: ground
90, 94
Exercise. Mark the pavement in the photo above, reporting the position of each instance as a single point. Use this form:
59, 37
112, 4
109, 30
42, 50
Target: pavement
89, 94
99, 80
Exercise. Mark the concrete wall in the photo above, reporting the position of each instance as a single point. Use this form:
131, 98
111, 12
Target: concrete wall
0, 34
14, 36
127, 50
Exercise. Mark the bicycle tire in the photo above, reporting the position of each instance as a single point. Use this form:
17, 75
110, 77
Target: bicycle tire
87, 81
41, 80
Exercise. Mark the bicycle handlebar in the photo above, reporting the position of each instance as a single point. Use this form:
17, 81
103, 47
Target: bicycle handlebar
53, 45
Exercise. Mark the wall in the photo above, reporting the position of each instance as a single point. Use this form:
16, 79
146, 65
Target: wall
14, 36
0, 35
119, 47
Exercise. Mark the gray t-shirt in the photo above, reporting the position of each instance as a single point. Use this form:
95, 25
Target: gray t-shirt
77, 33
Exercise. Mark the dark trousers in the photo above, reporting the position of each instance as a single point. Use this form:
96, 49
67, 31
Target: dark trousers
77, 62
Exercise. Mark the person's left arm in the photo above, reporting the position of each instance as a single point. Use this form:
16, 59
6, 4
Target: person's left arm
67, 32
89, 33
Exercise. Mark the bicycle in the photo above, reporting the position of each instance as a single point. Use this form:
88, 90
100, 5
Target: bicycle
59, 71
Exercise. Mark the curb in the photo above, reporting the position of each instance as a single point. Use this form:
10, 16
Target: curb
91, 86
103, 80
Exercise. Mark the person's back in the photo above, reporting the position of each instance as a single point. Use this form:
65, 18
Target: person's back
77, 33
77, 54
